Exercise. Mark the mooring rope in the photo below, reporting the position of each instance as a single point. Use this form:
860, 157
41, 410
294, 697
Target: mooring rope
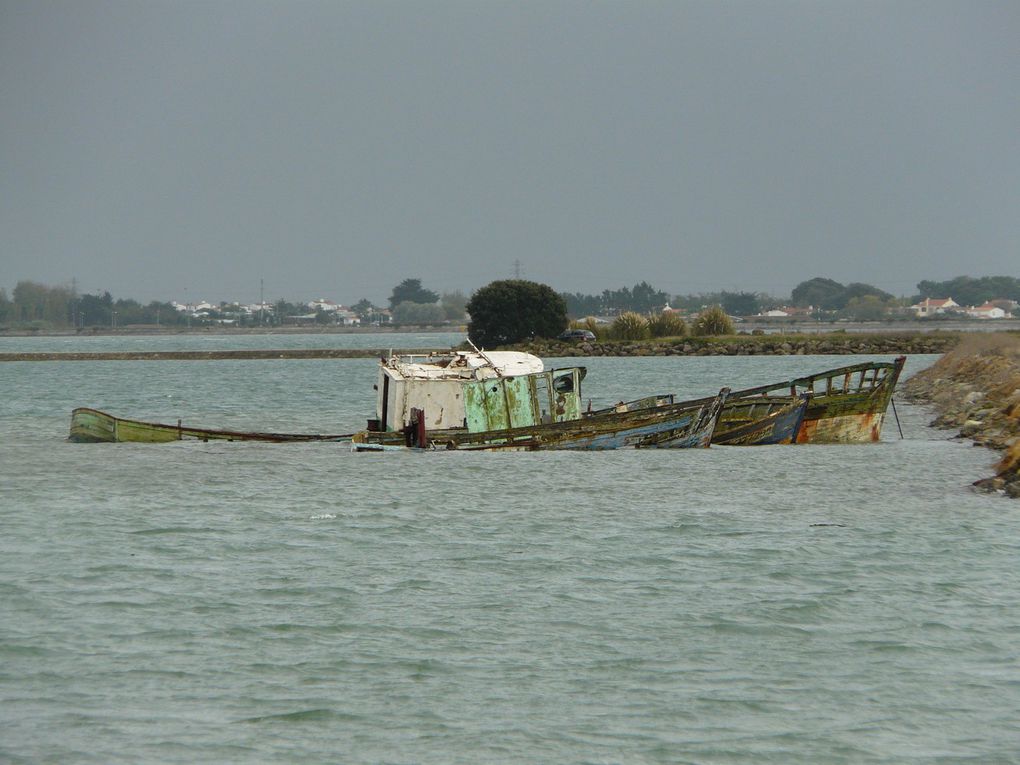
896, 414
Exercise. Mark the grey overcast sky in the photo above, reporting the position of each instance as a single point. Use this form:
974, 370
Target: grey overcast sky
171, 149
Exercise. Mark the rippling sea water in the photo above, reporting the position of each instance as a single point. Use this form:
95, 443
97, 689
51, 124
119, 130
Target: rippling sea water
245, 602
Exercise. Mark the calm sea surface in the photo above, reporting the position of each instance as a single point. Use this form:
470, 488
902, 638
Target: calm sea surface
190, 602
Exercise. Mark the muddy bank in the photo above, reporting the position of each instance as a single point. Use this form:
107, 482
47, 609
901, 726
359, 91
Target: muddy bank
975, 390
753, 345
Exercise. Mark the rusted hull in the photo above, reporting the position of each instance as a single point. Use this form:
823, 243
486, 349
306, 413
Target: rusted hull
674, 426
94, 426
760, 423
842, 429
846, 405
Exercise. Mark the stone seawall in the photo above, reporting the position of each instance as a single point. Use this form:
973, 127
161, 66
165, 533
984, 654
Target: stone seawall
752, 345
739, 345
975, 390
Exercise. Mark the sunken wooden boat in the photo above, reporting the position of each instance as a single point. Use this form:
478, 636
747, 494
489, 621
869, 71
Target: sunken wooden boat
474, 401
760, 420
93, 426
845, 405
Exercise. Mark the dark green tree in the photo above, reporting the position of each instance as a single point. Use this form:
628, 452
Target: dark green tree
859, 290
866, 308
644, 298
825, 294
454, 305
95, 310
418, 313
580, 305
34, 302
512, 310
740, 303
363, 308
410, 290
967, 290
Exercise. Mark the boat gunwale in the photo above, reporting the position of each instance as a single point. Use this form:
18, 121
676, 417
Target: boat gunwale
204, 433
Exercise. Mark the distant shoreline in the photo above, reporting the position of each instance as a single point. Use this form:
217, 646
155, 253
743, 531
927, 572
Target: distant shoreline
770, 326
147, 331
836, 343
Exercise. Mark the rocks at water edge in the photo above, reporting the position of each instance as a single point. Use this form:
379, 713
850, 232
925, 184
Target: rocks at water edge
975, 389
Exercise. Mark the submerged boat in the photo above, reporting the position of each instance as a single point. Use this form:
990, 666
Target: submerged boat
93, 426
507, 400
845, 405
473, 400
760, 420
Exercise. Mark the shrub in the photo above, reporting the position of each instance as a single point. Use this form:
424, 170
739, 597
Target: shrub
512, 310
630, 326
712, 321
667, 324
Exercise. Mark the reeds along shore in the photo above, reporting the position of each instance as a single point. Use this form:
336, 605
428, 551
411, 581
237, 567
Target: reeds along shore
976, 388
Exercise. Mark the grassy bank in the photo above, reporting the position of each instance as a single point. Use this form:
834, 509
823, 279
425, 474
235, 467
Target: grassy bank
975, 389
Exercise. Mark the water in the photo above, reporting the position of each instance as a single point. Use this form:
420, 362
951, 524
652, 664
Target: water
247, 602
225, 341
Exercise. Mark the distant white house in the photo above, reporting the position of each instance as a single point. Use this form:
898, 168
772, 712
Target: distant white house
321, 304
933, 306
986, 311
340, 314
193, 308
789, 310
347, 317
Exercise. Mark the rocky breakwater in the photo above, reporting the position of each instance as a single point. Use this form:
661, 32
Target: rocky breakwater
751, 345
975, 389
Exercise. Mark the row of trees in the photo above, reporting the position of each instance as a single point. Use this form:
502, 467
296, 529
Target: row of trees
33, 304
643, 298
854, 300
829, 295
967, 290
412, 303
510, 311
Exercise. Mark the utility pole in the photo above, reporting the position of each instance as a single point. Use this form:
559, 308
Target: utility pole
517, 269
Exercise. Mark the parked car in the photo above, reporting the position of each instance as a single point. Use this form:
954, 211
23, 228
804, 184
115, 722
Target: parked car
577, 334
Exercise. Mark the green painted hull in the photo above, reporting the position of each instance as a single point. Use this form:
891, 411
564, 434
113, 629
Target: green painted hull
681, 425
94, 426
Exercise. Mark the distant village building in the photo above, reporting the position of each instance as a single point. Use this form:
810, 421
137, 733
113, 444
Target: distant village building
987, 311
340, 314
321, 304
789, 310
933, 306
